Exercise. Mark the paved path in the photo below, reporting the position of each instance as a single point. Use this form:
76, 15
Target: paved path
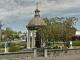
70, 57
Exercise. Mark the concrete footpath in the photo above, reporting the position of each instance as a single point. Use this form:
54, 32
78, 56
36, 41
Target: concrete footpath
65, 57
69, 57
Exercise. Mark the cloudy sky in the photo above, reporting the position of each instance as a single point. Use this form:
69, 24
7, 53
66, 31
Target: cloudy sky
17, 13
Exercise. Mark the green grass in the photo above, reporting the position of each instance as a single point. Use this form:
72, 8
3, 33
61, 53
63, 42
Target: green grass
76, 43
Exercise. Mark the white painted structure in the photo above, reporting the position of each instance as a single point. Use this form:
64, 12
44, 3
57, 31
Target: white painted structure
77, 33
71, 44
5, 45
32, 27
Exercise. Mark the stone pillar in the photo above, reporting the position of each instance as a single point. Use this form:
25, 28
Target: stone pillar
33, 39
28, 39
45, 52
35, 52
71, 44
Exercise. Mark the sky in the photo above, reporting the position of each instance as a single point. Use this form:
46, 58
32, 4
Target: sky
16, 14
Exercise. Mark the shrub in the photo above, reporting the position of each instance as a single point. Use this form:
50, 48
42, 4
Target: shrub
1, 46
13, 47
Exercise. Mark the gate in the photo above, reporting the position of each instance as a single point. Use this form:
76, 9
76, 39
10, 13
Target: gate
40, 52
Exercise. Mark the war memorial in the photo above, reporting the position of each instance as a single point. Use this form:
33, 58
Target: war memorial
35, 46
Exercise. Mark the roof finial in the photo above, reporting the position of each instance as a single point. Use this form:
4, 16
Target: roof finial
37, 4
37, 10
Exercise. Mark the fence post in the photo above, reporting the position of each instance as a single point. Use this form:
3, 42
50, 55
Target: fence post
5, 45
45, 52
35, 52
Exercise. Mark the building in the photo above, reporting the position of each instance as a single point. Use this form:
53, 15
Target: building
76, 36
77, 33
32, 36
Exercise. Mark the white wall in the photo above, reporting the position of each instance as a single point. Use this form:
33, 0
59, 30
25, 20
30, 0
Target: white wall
77, 33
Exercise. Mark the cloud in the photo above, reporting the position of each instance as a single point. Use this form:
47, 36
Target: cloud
15, 8
61, 6
26, 7
23, 10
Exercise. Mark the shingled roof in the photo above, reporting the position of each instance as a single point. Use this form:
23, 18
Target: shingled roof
36, 21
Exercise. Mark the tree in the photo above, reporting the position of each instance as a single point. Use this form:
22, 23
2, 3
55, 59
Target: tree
69, 29
58, 29
9, 34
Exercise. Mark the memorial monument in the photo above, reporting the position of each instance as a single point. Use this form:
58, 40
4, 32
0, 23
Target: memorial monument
33, 40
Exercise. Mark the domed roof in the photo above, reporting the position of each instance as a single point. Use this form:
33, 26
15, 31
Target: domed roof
36, 21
